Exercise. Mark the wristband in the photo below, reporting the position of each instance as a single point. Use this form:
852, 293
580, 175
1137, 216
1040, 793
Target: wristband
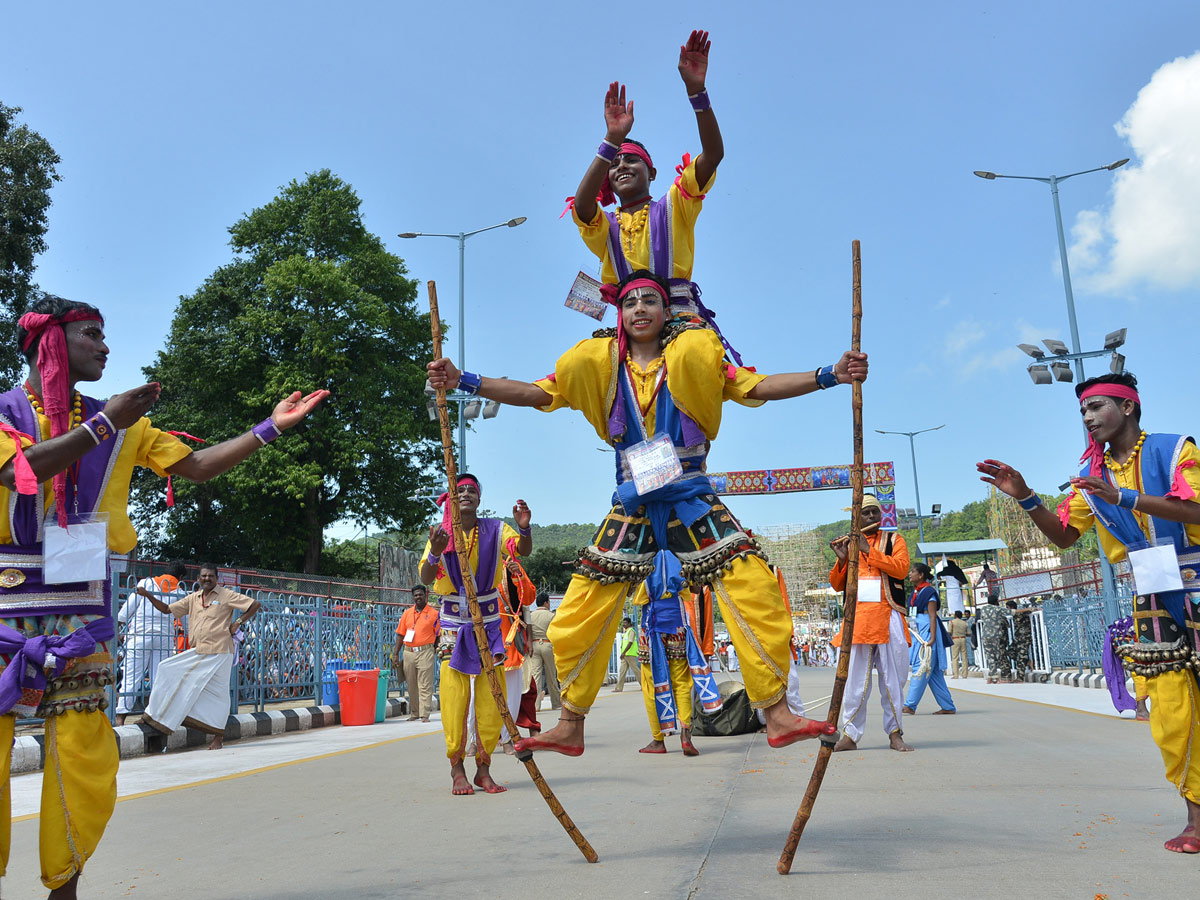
99, 427
1030, 503
87, 426
469, 382
700, 101
266, 431
525, 532
826, 377
607, 150
1128, 498
432, 559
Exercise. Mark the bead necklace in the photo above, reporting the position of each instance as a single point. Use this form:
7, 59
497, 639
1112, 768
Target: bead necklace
1121, 467
76, 409
631, 226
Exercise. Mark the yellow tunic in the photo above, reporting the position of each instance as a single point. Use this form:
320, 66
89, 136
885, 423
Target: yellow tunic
442, 584
635, 231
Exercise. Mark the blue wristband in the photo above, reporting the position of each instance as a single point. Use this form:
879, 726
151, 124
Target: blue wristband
1030, 503
826, 377
1128, 499
700, 101
469, 382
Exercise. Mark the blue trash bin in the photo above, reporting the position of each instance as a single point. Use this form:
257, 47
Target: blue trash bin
329, 682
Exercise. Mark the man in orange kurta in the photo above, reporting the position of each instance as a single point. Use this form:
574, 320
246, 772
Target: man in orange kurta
881, 638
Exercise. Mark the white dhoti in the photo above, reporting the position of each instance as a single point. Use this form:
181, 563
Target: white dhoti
514, 688
143, 653
891, 661
192, 689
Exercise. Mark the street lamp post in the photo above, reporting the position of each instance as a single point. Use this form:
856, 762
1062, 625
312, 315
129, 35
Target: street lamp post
1053, 181
912, 447
461, 237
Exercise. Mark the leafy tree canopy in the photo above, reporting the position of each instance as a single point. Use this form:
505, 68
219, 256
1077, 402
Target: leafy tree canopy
28, 168
312, 300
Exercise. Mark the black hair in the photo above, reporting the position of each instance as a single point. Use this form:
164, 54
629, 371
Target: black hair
543, 598
645, 273
51, 305
1011, 604
419, 587
176, 568
923, 570
212, 567
1127, 379
958, 614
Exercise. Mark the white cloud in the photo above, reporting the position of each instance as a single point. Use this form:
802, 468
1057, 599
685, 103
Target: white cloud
1150, 233
969, 348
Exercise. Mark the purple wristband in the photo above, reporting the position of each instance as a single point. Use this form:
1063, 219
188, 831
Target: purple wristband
700, 101
607, 151
100, 428
433, 560
266, 431
525, 532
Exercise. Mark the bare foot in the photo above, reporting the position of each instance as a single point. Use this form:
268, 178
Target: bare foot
1142, 713
654, 747
944, 712
121, 719
689, 749
566, 737
784, 727
217, 742
845, 743
896, 742
459, 786
67, 891
908, 711
508, 749
483, 779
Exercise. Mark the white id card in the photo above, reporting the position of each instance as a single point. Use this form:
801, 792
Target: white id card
78, 552
653, 463
585, 297
870, 590
409, 635
1156, 569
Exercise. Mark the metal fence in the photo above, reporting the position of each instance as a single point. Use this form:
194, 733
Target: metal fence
288, 653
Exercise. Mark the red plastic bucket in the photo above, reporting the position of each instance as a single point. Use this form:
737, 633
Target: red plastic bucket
356, 688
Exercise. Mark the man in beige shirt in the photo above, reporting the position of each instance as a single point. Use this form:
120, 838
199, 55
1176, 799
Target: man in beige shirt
541, 652
960, 630
193, 687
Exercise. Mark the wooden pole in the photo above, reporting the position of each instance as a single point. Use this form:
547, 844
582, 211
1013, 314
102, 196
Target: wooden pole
843, 667
486, 663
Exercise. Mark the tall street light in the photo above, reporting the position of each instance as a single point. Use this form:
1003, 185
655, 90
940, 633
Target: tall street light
1106, 572
1053, 181
916, 484
461, 237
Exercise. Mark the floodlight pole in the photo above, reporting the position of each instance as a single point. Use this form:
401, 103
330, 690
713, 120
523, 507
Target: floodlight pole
912, 448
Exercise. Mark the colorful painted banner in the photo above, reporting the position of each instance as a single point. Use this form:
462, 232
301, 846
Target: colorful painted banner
880, 476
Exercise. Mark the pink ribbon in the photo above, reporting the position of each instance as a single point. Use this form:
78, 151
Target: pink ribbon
1179, 486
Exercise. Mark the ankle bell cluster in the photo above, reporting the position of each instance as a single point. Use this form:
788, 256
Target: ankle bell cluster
1149, 660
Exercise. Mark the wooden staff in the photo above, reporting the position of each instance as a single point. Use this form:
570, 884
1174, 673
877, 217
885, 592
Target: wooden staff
486, 664
843, 667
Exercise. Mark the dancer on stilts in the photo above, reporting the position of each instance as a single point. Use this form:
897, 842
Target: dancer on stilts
655, 393
1145, 488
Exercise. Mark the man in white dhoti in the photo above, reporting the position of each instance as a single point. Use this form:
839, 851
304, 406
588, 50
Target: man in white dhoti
193, 687
149, 636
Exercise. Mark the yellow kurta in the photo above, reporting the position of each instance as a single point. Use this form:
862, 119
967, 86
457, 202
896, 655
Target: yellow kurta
635, 231
79, 783
747, 592
1174, 696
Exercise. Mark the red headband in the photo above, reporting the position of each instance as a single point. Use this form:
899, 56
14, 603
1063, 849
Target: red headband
606, 195
447, 513
53, 370
1094, 454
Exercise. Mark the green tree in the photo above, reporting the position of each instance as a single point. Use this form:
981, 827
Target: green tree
28, 169
312, 300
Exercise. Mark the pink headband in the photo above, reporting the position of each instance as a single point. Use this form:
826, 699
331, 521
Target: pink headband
447, 514
606, 195
1094, 454
611, 294
53, 369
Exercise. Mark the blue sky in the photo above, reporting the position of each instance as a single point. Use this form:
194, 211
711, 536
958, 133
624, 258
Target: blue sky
839, 123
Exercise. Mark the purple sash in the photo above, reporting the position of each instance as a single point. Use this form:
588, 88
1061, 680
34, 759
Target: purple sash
454, 616
22, 592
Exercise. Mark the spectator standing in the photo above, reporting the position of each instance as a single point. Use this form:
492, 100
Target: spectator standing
416, 637
991, 579
628, 653
954, 580
1022, 641
545, 671
960, 633
993, 628
149, 637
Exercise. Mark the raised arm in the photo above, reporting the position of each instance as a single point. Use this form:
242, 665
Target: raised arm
618, 121
851, 367
154, 601
210, 462
1008, 480
444, 374
48, 458
1170, 508
693, 69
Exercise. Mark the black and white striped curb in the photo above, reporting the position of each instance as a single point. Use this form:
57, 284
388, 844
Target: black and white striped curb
29, 752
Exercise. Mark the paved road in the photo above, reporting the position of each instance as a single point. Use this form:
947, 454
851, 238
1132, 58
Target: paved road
1007, 799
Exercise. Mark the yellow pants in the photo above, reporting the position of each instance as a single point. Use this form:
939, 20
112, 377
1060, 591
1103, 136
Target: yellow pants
79, 791
681, 687
1139, 687
1175, 725
455, 697
759, 622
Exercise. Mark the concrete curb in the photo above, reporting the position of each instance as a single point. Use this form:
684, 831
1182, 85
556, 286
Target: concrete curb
29, 752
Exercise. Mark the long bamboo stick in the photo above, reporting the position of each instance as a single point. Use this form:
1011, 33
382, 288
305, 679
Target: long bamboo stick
489, 669
843, 667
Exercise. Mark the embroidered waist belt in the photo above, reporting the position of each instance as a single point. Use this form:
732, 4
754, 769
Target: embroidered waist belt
23, 593
458, 631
